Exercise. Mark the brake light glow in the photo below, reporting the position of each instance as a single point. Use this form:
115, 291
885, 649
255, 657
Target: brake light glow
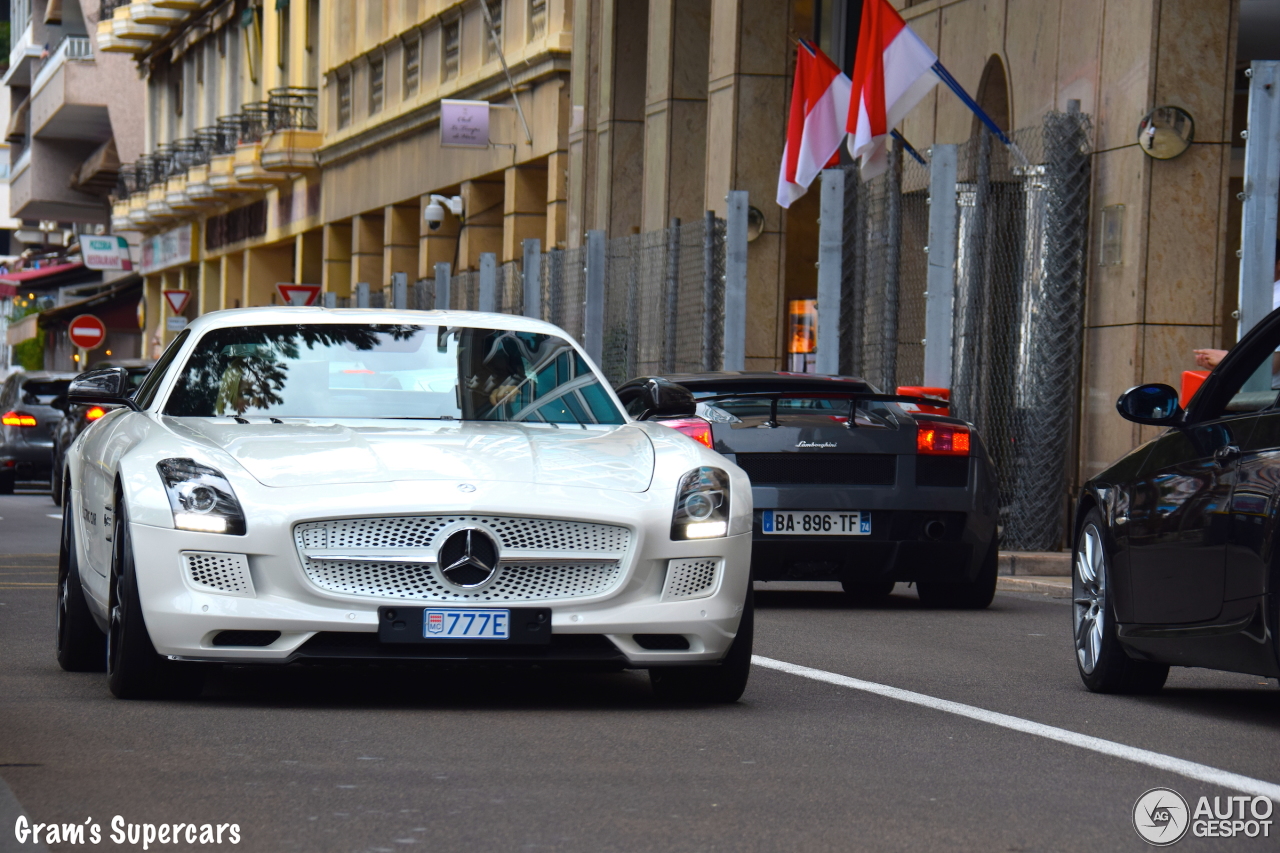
94, 413
696, 428
938, 439
18, 419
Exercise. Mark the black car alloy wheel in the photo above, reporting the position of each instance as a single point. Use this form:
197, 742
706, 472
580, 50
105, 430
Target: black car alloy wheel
1104, 665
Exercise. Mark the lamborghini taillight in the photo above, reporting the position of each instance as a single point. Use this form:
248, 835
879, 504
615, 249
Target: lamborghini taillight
940, 439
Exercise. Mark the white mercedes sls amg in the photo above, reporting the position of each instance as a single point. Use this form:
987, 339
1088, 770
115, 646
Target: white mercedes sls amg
302, 484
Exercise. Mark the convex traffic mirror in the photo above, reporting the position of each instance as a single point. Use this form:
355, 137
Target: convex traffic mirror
1166, 132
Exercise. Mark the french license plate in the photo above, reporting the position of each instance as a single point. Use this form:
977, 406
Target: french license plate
458, 623
817, 523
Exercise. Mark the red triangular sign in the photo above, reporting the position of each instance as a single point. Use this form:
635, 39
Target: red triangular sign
177, 299
300, 295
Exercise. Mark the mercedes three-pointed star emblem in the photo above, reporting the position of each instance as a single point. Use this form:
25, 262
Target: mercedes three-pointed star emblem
468, 558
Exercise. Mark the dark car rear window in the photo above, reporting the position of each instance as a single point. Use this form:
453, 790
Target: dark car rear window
42, 392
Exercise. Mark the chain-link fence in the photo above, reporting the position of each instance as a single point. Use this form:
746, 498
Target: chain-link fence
1021, 234
663, 297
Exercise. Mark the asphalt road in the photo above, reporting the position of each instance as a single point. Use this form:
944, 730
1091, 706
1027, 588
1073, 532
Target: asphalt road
385, 760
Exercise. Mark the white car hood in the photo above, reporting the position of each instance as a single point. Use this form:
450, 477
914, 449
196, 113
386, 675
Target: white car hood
314, 453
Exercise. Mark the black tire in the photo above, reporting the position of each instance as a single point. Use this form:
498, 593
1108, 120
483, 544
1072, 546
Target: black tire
134, 670
1102, 662
721, 683
7, 482
865, 593
970, 595
80, 645
55, 485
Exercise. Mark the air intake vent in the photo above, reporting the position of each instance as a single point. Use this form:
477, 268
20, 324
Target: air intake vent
223, 574
823, 469
690, 579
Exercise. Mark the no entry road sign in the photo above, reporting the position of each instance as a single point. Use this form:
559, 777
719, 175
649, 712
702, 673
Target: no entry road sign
87, 332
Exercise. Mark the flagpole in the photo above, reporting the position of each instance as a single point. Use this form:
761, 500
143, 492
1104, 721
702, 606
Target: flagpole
945, 76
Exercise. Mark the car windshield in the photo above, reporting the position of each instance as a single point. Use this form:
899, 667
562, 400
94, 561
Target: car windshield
367, 370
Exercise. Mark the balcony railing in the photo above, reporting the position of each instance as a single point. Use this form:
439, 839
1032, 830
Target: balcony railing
107, 8
228, 134
161, 161
255, 121
292, 109
68, 47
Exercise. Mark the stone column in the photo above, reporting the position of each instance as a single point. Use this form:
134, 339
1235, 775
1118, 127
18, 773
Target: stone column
584, 92
747, 96
524, 208
619, 116
675, 130
366, 249
399, 240
210, 287
308, 257
264, 268
482, 211
230, 275
336, 248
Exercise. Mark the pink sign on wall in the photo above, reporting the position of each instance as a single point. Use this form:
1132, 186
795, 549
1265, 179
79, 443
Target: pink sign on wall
464, 124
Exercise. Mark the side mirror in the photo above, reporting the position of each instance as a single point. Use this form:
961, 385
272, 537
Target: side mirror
108, 386
1156, 405
654, 397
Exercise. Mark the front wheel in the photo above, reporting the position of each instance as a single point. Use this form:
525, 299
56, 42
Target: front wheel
1103, 664
81, 647
720, 683
134, 670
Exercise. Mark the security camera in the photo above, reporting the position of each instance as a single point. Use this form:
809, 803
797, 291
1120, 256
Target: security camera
434, 211
434, 214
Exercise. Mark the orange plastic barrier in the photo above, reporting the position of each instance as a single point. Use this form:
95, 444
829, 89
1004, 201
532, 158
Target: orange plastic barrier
1191, 382
925, 391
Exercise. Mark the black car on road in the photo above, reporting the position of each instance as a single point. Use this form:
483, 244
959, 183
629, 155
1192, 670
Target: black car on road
849, 484
1175, 560
78, 418
27, 421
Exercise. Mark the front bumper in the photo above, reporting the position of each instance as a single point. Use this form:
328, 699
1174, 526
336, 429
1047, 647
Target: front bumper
317, 624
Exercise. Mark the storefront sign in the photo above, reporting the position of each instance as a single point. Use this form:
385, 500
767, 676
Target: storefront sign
165, 250
464, 124
105, 253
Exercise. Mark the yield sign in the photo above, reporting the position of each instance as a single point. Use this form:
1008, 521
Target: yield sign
300, 295
87, 332
177, 299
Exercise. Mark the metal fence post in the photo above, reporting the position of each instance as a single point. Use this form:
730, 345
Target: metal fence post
362, 294
893, 271
708, 290
399, 290
1258, 222
830, 270
940, 296
735, 282
442, 285
593, 307
330, 299
671, 296
532, 270
488, 282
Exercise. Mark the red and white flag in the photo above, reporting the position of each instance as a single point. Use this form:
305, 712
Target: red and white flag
815, 129
892, 72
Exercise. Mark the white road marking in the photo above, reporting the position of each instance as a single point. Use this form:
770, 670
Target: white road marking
1182, 767
56, 515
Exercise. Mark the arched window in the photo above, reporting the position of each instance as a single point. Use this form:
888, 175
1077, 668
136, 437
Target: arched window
993, 95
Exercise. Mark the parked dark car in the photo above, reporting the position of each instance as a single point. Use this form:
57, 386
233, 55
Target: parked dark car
1175, 561
27, 421
849, 485
78, 418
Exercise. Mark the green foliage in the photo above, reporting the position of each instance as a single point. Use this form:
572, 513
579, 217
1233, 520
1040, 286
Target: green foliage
30, 353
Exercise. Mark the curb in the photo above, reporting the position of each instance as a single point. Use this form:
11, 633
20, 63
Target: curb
1039, 563
1054, 587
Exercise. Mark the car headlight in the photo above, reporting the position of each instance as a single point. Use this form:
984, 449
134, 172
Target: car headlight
201, 498
702, 505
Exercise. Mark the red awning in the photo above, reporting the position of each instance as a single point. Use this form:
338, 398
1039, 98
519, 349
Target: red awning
31, 275
7, 290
